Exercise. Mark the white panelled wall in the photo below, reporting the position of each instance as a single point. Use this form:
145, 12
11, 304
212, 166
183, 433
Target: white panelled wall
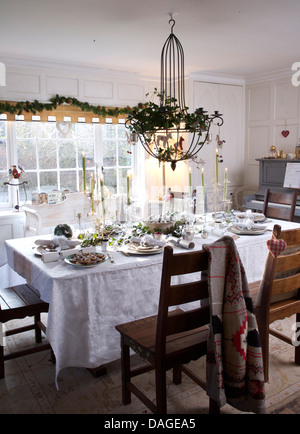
229, 100
272, 106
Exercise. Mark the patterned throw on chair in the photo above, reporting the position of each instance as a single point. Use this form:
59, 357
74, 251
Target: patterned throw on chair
234, 355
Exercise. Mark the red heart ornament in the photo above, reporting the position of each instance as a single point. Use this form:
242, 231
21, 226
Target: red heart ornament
276, 247
285, 133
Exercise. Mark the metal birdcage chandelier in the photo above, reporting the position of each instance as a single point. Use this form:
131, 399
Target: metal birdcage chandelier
167, 131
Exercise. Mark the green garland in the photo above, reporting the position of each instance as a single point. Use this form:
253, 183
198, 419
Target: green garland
36, 107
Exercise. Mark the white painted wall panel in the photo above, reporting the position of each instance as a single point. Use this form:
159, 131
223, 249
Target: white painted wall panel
98, 89
62, 86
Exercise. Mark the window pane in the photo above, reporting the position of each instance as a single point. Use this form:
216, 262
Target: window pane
26, 190
48, 181
67, 154
25, 129
110, 180
47, 130
3, 158
86, 147
47, 154
109, 153
3, 188
26, 153
68, 180
125, 156
85, 131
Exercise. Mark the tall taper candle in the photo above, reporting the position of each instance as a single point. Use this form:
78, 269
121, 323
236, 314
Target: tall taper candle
128, 178
102, 197
190, 180
225, 183
84, 172
92, 192
128, 188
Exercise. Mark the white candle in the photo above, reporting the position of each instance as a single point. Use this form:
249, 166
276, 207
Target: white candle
84, 172
225, 183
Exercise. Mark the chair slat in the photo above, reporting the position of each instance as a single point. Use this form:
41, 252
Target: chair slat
187, 293
190, 320
197, 261
286, 263
287, 284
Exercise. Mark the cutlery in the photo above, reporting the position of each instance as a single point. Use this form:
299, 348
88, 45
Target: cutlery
110, 258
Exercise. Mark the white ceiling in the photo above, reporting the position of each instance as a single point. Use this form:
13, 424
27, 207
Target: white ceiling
235, 37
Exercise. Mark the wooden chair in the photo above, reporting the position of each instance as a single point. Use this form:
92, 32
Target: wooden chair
18, 302
272, 202
169, 339
278, 294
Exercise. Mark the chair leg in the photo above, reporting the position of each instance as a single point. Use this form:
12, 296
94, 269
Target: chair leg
297, 348
177, 374
213, 407
125, 368
264, 339
2, 374
161, 392
38, 332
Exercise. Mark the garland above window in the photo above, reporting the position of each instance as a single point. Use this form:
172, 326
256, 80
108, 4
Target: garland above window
16, 108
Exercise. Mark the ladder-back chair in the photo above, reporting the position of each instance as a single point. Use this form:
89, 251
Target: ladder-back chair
169, 339
278, 294
272, 202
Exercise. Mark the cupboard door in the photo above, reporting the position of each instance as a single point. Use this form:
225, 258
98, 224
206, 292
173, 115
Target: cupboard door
228, 100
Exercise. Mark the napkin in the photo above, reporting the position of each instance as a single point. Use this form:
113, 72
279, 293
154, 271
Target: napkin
249, 224
148, 240
59, 241
181, 243
50, 257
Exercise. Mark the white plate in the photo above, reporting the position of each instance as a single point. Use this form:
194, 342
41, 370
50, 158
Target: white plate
67, 260
245, 231
141, 250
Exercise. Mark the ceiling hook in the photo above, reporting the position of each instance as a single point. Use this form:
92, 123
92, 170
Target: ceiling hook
172, 21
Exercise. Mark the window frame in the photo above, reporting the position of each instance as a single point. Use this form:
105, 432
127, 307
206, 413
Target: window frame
11, 149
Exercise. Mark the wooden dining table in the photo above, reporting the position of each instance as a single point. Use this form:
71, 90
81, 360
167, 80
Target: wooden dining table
85, 304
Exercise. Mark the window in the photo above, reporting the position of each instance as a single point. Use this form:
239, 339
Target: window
52, 156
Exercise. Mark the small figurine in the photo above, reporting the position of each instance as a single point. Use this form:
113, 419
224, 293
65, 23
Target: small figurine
14, 173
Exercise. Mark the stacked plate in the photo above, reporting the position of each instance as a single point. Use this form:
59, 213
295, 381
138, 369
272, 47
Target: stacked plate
252, 230
137, 249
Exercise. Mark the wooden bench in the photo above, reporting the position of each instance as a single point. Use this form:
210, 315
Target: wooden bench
18, 302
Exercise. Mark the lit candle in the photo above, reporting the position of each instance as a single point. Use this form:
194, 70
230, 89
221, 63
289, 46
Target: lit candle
92, 192
92, 183
202, 176
190, 180
84, 172
217, 166
129, 176
225, 183
102, 196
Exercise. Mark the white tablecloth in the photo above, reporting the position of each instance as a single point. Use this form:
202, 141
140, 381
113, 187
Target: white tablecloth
86, 304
